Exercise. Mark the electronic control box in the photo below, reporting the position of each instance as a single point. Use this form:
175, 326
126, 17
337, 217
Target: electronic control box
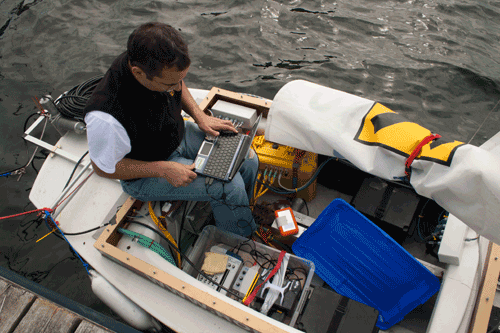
278, 158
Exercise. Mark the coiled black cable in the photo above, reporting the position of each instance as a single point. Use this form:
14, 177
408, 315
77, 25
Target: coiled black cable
72, 103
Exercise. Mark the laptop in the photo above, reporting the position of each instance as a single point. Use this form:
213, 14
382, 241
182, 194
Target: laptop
223, 157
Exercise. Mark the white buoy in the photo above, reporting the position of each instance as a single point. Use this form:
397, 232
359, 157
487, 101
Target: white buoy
130, 312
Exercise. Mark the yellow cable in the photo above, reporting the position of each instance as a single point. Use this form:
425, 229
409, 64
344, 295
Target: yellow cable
164, 231
261, 194
252, 286
46, 235
262, 187
254, 199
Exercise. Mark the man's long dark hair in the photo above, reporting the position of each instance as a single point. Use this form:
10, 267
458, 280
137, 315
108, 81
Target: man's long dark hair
154, 46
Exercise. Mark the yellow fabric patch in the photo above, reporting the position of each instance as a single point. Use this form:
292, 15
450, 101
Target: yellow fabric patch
214, 263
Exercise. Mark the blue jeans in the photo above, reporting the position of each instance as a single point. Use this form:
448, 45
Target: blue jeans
229, 200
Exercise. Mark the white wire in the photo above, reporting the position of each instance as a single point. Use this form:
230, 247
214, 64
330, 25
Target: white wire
283, 187
484, 121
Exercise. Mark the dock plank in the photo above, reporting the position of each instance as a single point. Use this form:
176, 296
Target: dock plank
17, 303
29, 308
45, 316
87, 327
63, 322
3, 286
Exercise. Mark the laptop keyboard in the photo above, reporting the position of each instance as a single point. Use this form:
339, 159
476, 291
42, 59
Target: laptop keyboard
222, 155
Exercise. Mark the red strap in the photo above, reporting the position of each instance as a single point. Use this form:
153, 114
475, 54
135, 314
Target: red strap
256, 290
417, 150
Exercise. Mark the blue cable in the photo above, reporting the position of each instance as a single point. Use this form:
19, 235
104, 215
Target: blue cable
85, 265
6, 174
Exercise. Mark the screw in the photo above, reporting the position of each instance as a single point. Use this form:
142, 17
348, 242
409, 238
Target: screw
248, 319
183, 287
102, 245
154, 272
487, 299
128, 258
214, 302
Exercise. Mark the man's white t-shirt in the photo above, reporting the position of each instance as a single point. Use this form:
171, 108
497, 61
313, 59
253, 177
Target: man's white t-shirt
108, 140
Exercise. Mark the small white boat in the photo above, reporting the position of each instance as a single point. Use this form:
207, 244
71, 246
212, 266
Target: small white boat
144, 303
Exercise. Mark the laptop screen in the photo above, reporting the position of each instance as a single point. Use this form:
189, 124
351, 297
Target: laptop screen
246, 146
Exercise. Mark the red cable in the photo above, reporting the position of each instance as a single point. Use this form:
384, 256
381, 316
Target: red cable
47, 209
256, 290
26, 213
417, 150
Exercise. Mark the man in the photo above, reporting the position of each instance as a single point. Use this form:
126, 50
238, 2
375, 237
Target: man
136, 132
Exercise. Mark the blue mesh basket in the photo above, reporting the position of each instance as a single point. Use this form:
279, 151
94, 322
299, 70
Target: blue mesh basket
359, 260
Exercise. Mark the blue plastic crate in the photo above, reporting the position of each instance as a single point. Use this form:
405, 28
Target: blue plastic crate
359, 260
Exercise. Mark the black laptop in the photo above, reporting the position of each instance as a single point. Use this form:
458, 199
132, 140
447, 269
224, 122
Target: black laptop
222, 157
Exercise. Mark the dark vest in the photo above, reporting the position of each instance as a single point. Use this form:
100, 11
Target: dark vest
152, 119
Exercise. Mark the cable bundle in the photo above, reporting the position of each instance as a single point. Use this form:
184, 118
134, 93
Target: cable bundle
72, 103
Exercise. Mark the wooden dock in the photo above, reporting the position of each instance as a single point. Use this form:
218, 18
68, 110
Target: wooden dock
24, 311
27, 307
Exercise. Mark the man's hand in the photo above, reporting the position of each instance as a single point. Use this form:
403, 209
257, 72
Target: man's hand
178, 174
211, 125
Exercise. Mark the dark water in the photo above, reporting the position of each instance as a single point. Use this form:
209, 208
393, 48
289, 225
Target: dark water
435, 61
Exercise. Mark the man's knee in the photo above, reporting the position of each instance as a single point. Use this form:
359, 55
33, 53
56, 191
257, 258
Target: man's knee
251, 153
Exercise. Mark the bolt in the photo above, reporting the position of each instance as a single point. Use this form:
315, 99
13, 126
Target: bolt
248, 319
154, 272
487, 299
128, 258
496, 258
102, 245
214, 302
183, 287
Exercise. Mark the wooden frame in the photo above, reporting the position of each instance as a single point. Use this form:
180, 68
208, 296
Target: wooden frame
484, 302
262, 105
206, 298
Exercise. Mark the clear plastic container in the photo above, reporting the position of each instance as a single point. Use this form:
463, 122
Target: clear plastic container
211, 236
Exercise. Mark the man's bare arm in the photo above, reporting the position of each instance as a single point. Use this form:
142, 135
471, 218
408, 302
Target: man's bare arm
208, 124
175, 173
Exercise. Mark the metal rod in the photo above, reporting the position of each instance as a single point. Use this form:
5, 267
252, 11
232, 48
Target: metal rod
34, 125
68, 188
52, 149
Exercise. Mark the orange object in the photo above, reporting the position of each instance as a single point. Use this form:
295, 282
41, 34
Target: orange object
290, 227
